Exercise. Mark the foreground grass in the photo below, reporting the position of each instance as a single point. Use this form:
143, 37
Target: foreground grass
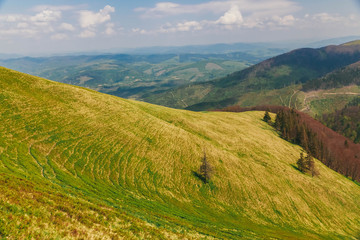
89, 165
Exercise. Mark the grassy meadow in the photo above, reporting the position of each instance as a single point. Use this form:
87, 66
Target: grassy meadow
78, 164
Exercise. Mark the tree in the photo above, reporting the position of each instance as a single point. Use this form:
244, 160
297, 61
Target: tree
313, 170
307, 164
301, 163
205, 169
267, 117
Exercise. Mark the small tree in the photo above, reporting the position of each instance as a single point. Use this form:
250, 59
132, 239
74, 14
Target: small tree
307, 164
301, 163
205, 169
267, 117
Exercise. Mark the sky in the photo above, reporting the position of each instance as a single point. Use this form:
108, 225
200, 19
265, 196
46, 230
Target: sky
45, 27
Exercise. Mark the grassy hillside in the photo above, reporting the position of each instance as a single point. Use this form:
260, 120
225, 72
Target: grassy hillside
89, 165
292, 68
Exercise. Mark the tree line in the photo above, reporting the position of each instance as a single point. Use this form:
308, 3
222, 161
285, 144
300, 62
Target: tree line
331, 148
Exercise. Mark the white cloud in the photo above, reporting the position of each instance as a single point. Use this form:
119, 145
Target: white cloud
29, 26
41, 8
231, 17
22, 25
260, 7
182, 27
226, 14
138, 30
46, 16
327, 18
90, 19
189, 26
87, 34
67, 27
59, 36
287, 20
163, 9
13, 18
110, 29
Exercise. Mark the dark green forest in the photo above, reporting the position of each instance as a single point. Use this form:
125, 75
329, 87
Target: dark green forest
345, 121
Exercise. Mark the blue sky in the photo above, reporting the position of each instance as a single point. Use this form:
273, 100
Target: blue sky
39, 26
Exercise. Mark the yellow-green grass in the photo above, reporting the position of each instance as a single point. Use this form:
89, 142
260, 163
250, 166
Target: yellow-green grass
89, 165
352, 43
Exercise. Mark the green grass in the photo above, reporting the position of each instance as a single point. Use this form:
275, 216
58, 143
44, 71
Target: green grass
90, 165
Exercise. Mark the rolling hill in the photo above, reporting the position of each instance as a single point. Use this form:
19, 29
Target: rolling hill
263, 83
75, 163
132, 76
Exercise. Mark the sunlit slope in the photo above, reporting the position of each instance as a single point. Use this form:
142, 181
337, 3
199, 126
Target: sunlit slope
139, 160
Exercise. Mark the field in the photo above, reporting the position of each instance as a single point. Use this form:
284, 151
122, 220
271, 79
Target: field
90, 165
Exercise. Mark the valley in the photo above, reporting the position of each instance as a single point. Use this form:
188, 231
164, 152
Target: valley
140, 74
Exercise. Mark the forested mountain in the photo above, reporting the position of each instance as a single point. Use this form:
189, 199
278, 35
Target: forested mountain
345, 121
290, 69
349, 75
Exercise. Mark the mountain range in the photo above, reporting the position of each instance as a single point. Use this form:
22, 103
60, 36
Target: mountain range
289, 79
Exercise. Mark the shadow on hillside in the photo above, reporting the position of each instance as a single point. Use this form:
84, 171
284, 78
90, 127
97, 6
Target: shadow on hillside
296, 168
199, 176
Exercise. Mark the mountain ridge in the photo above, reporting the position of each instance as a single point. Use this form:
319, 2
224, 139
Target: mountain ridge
292, 68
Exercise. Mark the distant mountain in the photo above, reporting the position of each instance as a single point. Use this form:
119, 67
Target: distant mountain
131, 76
331, 41
79, 164
257, 49
290, 69
266, 49
7, 56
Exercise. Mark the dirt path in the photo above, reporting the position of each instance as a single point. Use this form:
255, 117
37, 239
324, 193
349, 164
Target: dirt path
314, 95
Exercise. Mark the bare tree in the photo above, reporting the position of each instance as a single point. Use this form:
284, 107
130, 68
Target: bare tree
205, 169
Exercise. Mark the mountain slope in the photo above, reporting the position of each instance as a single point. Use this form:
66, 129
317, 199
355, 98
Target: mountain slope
295, 67
345, 121
86, 163
349, 75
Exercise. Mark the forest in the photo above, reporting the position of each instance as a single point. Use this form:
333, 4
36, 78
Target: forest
342, 77
345, 121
